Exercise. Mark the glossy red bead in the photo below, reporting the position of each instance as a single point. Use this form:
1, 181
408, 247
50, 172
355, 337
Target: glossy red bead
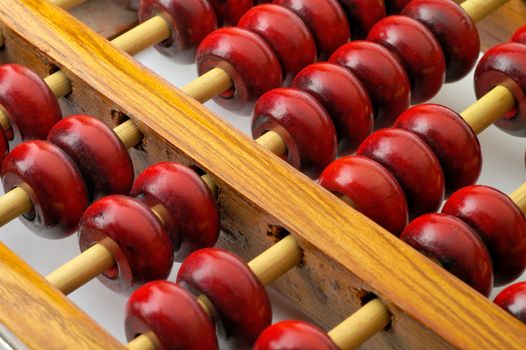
249, 61
172, 314
302, 123
185, 203
455, 31
455, 246
30, 106
418, 50
395, 6
235, 292
513, 300
4, 147
451, 139
325, 19
190, 22
286, 33
102, 159
363, 15
500, 224
381, 74
343, 97
520, 35
54, 184
412, 163
505, 65
140, 246
370, 189
229, 12
293, 334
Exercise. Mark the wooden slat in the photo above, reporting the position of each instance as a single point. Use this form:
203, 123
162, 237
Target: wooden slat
346, 255
40, 316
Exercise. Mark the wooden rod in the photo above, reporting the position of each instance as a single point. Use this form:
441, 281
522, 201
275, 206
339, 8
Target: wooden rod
145, 341
146, 34
489, 108
129, 133
67, 4
480, 9
273, 142
4, 120
519, 197
360, 326
81, 269
59, 84
13, 204
208, 85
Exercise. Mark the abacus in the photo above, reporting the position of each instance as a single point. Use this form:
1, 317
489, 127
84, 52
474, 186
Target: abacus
337, 260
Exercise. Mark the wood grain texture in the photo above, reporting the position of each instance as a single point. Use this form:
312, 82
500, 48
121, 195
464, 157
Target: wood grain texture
40, 316
346, 256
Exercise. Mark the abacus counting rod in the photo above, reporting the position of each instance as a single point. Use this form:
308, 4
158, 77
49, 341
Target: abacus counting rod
519, 197
13, 204
146, 341
479, 9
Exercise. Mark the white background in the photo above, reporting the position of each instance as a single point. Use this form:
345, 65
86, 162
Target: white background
503, 168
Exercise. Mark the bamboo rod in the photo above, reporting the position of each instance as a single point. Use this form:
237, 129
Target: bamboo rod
208, 85
146, 341
13, 204
146, 34
360, 326
82, 269
273, 142
67, 4
480, 9
4, 120
519, 197
129, 133
59, 84
489, 108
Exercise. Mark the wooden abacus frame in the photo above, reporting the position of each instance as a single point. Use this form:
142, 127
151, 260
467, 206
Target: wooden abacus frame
346, 256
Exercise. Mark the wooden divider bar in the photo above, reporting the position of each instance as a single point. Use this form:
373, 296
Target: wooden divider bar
346, 255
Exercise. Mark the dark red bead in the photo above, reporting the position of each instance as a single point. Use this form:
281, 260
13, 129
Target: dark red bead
363, 15
4, 146
54, 184
453, 141
418, 50
500, 224
505, 65
172, 314
303, 124
395, 6
140, 246
235, 292
185, 203
292, 334
381, 74
286, 33
370, 189
520, 35
190, 22
455, 31
229, 12
343, 97
455, 246
30, 106
513, 300
249, 61
325, 19
412, 163
102, 159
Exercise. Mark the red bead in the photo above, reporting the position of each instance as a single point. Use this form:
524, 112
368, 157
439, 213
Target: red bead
292, 334
4, 147
229, 12
54, 184
30, 106
249, 61
451, 139
370, 189
381, 74
418, 50
303, 124
185, 203
140, 246
236, 293
455, 31
190, 22
455, 246
325, 19
500, 224
505, 65
513, 300
343, 97
412, 163
102, 159
363, 15
286, 33
520, 35
395, 6
172, 314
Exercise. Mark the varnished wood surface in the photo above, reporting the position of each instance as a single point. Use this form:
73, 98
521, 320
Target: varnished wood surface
41, 317
346, 255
